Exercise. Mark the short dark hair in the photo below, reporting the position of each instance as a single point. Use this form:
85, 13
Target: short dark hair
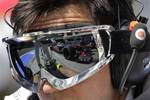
102, 12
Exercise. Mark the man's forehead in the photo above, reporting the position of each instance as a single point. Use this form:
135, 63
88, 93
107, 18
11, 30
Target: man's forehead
62, 17
34, 9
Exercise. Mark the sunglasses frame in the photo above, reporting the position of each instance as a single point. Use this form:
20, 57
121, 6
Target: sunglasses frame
55, 82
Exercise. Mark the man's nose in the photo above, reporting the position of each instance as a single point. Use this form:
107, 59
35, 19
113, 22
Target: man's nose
46, 88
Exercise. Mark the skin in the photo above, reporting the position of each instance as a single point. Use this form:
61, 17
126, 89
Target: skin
97, 87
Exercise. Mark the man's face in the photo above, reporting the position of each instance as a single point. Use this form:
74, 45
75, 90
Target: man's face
70, 14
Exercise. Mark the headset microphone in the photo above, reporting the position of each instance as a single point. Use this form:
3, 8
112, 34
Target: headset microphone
135, 71
139, 40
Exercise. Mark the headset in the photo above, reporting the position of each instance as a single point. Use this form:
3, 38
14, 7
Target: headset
129, 70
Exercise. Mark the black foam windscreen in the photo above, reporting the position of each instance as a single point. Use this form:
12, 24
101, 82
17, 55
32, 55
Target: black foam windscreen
117, 68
